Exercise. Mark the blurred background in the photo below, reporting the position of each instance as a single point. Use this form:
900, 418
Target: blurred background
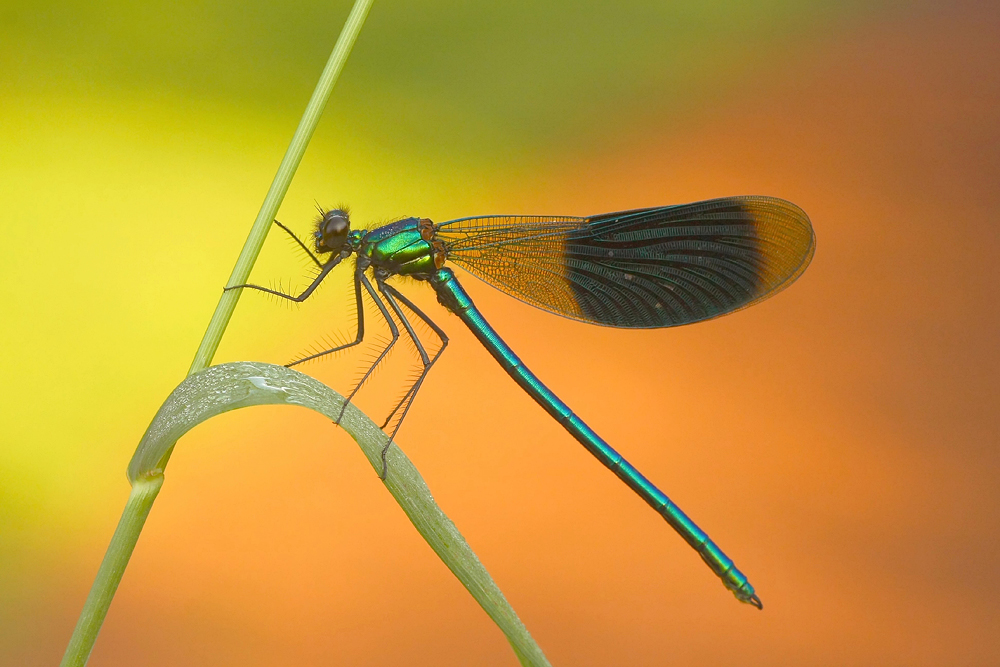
840, 441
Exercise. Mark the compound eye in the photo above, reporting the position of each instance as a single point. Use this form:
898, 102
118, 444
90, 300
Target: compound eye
332, 230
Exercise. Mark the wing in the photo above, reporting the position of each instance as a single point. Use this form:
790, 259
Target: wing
653, 267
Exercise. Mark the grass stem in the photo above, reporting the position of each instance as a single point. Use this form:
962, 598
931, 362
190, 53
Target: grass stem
279, 186
144, 491
109, 575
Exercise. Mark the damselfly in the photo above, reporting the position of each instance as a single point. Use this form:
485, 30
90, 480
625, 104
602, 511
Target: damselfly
645, 268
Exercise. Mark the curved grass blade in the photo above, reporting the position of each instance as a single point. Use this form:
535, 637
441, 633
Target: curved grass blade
232, 386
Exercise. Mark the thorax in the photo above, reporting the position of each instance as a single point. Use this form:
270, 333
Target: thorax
405, 247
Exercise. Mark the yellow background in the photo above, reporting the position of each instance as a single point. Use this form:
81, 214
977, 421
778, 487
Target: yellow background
840, 441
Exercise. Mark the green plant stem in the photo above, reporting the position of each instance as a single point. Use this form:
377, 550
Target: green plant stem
279, 186
139, 503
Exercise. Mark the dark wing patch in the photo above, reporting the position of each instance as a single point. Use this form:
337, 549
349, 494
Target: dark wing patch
655, 267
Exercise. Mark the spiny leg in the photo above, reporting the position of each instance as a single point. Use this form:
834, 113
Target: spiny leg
301, 244
391, 294
395, 336
425, 360
361, 325
419, 313
326, 268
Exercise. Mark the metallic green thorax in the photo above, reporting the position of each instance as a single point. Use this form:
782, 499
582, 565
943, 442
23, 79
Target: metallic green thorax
400, 248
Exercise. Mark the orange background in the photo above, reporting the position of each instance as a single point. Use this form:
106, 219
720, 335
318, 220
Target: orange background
840, 441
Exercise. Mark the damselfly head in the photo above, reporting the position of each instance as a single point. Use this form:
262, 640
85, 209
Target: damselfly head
332, 228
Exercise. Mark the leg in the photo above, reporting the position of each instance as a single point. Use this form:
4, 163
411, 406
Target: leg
395, 336
301, 244
361, 326
324, 269
391, 294
334, 261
